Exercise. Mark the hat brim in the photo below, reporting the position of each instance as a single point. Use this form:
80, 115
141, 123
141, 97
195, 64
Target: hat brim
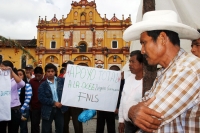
29, 67
185, 32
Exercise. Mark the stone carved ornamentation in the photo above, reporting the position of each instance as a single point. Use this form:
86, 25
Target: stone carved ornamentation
99, 41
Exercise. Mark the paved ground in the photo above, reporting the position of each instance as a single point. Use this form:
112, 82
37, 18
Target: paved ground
88, 127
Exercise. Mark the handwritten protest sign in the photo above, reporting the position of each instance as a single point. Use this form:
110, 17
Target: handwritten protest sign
5, 97
91, 88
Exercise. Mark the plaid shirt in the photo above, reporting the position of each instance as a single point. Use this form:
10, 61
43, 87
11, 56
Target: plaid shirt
177, 91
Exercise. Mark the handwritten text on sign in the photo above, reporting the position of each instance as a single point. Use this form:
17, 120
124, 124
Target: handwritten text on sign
5, 97
91, 88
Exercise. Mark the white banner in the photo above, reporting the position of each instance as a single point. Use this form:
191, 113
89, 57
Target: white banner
5, 95
91, 88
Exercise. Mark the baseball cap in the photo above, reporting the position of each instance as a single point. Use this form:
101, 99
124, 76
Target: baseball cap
29, 66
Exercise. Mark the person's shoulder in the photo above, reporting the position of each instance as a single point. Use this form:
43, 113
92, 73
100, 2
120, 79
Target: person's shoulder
61, 75
43, 83
130, 77
190, 61
27, 84
60, 79
32, 80
44, 79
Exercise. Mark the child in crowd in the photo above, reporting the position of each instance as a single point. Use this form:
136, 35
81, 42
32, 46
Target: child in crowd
25, 94
49, 94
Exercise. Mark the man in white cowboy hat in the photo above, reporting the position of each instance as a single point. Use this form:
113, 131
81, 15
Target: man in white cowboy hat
173, 102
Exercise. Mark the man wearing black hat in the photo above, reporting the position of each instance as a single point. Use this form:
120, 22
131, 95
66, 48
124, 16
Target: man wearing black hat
29, 72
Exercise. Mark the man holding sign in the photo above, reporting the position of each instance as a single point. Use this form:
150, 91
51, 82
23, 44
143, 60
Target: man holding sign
91, 88
108, 117
72, 112
49, 94
10, 105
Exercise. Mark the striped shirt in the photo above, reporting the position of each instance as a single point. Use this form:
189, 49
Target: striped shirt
28, 95
177, 92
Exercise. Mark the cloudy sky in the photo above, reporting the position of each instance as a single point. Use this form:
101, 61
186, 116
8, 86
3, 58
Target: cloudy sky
18, 18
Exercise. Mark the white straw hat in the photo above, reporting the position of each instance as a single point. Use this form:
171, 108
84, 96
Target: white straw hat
160, 20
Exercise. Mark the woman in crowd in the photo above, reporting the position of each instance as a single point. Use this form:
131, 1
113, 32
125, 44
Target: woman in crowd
16, 83
25, 94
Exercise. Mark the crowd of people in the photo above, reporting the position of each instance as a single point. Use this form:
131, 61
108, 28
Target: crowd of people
172, 105
37, 95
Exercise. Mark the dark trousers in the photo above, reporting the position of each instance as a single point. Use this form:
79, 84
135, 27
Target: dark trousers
74, 113
23, 123
57, 116
109, 118
130, 127
35, 120
23, 127
13, 124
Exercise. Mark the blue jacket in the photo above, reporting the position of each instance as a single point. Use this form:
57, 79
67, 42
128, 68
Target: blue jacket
45, 96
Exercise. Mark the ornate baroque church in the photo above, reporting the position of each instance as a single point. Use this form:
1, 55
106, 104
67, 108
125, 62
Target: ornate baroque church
83, 37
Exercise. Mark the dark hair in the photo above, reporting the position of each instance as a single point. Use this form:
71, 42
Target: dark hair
62, 70
38, 70
8, 63
173, 36
138, 54
50, 66
198, 30
114, 67
25, 78
66, 63
15, 70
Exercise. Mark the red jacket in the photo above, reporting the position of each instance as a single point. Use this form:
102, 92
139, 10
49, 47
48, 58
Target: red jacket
35, 103
61, 75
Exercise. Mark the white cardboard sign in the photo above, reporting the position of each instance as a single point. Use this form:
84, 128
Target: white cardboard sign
5, 95
91, 88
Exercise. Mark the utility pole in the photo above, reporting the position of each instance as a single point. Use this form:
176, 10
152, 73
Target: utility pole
149, 72
148, 5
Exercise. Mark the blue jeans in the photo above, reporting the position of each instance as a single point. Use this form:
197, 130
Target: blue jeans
23, 124
58, 118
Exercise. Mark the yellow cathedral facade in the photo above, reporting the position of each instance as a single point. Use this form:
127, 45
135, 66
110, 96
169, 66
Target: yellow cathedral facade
83, 37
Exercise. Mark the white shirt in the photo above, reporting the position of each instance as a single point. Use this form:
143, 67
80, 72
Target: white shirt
32, 76
131, 95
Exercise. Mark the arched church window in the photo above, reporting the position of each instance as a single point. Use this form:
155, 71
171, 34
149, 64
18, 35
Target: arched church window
90, 14
75, 14
83, 18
